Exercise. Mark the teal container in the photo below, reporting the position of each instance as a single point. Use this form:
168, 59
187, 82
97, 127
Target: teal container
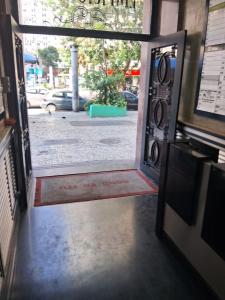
98, 110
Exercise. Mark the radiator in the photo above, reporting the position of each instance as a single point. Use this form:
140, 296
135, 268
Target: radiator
7, 204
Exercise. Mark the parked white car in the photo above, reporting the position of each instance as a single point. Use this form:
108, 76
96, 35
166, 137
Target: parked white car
35, 96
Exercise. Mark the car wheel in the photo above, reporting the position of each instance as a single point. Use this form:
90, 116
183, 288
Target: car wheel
28, 104
51, 108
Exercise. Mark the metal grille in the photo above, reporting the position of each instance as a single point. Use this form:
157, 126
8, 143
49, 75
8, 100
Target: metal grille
61, 142
7, 204
161, 107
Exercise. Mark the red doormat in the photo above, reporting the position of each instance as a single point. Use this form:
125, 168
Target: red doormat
92, 186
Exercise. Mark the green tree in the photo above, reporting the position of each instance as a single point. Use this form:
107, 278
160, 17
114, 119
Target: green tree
49, 56
98, 54
115, 55
119, 54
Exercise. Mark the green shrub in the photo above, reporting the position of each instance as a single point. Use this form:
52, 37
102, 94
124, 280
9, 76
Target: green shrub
88, 104
107, 88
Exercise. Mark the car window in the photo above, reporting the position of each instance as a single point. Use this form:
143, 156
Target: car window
43, 92
69, 95
130, 97
58, 95
82, 100
125, 96
32, 91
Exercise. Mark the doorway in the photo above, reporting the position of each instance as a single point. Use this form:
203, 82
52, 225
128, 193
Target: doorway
75, 141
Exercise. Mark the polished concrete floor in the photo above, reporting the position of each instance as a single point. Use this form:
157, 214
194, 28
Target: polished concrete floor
97, 250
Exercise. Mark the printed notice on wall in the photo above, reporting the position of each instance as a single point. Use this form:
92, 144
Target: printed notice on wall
212, 87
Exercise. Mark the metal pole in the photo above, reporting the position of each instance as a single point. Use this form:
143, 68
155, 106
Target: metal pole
75, 93
51, 77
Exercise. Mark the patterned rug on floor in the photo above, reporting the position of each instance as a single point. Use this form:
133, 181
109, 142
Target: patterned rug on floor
92, 186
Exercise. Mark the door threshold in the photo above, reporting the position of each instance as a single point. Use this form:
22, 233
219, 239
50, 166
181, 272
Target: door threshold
84, 167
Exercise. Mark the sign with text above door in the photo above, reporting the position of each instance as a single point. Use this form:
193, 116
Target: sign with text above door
109, 15
126, 3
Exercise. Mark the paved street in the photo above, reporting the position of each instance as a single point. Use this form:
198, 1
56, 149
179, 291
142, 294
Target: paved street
69, 138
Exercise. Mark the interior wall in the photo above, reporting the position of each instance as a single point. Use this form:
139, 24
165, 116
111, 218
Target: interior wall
188, 239
5, 7
1, 86
3, 99
169, 16
193, 18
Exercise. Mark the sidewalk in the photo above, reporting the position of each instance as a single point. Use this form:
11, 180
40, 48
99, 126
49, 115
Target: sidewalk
67, 138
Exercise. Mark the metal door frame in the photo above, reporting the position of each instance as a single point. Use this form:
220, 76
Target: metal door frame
8, 27
179, 39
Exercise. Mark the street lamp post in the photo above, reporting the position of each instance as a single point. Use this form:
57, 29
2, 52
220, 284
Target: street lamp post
75, 92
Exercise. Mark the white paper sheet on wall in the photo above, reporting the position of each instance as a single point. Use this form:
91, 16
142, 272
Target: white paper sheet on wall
212, 87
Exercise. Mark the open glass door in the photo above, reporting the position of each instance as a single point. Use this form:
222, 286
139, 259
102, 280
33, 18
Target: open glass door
166, 65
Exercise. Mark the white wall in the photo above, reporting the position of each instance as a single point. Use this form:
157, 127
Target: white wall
188, 239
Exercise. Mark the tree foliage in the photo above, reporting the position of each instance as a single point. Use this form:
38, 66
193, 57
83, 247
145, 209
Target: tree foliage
99, 56
49, 56
94, 52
